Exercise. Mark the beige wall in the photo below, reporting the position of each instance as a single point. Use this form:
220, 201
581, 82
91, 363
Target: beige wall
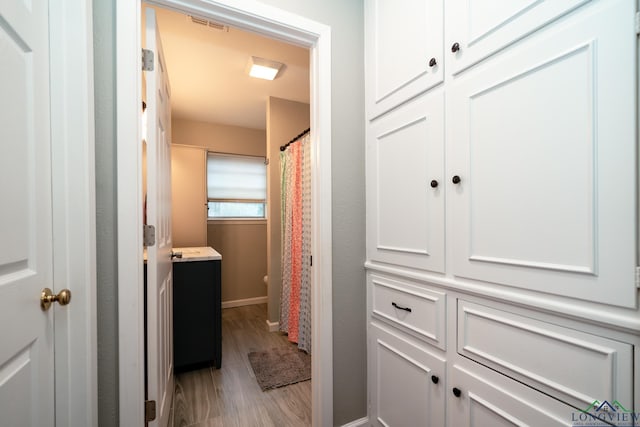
219, 138
188, 196
285, 120
242, 244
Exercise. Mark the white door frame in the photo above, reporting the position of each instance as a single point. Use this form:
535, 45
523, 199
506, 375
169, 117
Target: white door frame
271, 22
74, 215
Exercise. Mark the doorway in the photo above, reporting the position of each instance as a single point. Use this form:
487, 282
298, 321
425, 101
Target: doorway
271, 22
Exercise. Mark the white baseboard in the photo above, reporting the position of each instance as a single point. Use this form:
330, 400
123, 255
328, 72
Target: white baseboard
246, 301
272, 326
358, 423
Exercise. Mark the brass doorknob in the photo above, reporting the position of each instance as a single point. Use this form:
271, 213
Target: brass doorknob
47, 297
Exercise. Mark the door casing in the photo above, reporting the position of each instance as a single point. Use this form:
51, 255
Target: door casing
270, 22
74, 212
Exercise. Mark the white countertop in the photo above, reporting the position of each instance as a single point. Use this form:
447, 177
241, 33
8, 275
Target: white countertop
205, 253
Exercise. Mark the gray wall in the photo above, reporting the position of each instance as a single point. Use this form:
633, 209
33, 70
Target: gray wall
349, 332
107, 268
346, 19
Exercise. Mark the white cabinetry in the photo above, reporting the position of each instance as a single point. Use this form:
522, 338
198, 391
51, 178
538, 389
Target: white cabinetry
404, 47
502, 225
485, 399
540, 148
495, 365
543, 140
401, 367
405, 192
482, 27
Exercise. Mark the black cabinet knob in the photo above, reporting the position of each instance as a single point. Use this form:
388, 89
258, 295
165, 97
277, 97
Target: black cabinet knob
434, 379
434, 183
455, 179
455, 47
432, 62
456, 392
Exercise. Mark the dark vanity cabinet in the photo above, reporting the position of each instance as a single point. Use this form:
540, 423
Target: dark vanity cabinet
197, 323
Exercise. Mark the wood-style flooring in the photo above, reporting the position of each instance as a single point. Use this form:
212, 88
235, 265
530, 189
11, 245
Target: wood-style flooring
230, 396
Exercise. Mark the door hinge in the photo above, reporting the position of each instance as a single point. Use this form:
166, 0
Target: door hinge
637, 23
147, 60
638, 277
149, 410
148, 235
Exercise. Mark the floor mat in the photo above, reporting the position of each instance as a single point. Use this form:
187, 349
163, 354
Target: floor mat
280, 366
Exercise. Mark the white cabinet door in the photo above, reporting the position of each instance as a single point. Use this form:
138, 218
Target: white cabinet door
405, 192
484, 398
406, 382
403, 51
543, 141
482, 27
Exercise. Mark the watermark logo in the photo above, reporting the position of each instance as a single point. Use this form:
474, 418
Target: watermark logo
604, 414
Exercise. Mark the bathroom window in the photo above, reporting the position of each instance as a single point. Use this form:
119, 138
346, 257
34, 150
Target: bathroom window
236, 186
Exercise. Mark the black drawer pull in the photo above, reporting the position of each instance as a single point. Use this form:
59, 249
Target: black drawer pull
456, 392
434, 379
400, 307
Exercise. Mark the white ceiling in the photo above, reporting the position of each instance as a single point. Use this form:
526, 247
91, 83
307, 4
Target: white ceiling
208, 72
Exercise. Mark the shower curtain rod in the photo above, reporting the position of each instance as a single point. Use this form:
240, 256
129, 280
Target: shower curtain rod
284, 147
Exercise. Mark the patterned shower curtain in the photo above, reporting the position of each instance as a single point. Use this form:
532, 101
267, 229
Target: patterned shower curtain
295, 295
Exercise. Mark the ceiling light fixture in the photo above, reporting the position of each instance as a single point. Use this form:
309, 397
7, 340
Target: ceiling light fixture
264, 68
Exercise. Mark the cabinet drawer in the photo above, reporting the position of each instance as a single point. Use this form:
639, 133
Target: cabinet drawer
418, 310
407, 382
573, 366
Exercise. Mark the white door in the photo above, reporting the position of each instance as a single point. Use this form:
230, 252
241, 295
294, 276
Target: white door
26, 331
159, 267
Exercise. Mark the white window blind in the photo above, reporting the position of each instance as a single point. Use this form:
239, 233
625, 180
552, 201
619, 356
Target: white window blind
236, 186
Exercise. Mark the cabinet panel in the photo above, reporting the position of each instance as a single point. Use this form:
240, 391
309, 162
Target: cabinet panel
400, 41
530, 351
421, 311
406, 214
482, 27
487, 401
403, 392
545, 149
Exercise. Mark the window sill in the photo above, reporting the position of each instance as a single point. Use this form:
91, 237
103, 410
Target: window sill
237, 221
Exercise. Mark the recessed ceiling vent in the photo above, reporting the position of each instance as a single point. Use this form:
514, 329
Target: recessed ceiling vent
207, 23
